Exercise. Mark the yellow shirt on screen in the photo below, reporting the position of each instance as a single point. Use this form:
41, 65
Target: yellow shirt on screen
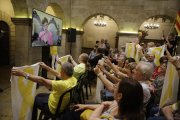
58, 88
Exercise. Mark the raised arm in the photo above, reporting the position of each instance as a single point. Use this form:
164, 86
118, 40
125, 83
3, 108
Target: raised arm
99, 110
169, 45
52, 71
106, 82
176, 62
109, 75
167, 111
72, 61
80, 107
115, 69
38, 79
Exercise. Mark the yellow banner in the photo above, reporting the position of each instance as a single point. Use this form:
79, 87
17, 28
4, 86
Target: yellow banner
23, 93
63, 59
158, 52
130, 50
170, 87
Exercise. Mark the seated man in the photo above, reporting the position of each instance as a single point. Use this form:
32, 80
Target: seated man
46, 101
80, 68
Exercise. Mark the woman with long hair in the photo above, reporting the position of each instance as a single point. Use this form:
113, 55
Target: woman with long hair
128, 104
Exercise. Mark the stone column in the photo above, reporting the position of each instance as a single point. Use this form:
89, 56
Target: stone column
24, 53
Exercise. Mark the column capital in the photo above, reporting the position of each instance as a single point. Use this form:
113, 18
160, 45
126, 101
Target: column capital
79, 32
21, 21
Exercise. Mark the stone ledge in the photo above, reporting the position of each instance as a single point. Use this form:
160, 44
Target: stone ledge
21, 21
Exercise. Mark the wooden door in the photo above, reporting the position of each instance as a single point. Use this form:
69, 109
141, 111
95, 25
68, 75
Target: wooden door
4, 43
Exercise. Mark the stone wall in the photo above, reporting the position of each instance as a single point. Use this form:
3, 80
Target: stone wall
128, 14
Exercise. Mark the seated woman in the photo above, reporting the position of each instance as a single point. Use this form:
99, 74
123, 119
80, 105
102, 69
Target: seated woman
126, 72
158, 79
128, 103
142, 73
172, 112
126, 63
159, 70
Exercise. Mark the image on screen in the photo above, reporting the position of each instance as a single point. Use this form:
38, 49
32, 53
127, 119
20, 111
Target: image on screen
46, 29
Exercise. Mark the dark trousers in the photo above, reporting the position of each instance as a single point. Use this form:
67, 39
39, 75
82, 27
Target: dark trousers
41, 102
72, 115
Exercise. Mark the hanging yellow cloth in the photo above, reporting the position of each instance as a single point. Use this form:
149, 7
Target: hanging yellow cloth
53, 50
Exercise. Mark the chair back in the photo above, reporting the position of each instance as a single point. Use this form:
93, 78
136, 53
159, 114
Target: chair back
70, 91
81, 80
78, 90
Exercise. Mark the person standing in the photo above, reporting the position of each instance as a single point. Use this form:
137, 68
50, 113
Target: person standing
107, 48
171, 43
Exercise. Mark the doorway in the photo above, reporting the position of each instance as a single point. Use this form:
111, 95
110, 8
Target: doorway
4, 43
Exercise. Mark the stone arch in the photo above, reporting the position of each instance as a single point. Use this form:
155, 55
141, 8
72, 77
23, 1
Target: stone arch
6, 6
54, 4
6, 18
57, 9
163, 16
20, 8
90, 31
92, 15
58, 12
43, 5
144, 18
165, 22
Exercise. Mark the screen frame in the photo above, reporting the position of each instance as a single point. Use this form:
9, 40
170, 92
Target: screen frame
60, 30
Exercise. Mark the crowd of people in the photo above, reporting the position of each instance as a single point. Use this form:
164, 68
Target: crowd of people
136, 86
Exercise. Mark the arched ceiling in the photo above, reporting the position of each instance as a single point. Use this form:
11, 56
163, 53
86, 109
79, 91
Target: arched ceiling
57, 10
20, 8
129, 14
7, 7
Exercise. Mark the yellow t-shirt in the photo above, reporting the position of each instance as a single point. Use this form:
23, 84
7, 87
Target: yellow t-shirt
53, 50
79, 70
58, 88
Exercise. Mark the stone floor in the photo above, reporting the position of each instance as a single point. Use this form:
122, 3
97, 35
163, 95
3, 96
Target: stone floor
5, 96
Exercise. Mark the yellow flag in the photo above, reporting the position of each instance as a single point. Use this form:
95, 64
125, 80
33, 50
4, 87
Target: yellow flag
22, 93
137, 56
63, 59
170, 87
158, 52
130, 50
